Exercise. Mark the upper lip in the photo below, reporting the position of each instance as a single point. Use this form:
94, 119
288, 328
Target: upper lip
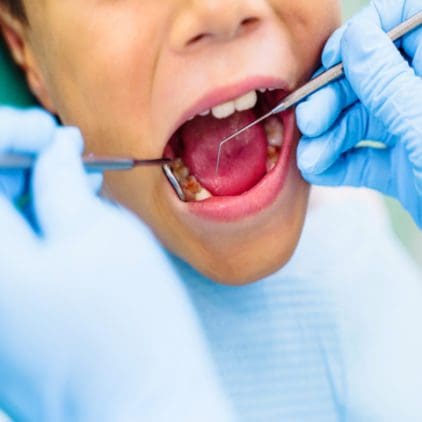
223, 94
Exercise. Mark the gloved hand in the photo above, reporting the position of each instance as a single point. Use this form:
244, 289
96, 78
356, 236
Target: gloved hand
381, 100
29, 131
94, 324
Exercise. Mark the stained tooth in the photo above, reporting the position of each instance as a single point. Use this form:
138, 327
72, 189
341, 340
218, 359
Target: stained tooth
247, 101
177, 164
275, 132
224, 110
205, 113
202, 195
182, 173
273, 153
191, 184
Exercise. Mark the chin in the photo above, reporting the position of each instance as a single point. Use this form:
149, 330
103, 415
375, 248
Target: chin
238, 253
246, 271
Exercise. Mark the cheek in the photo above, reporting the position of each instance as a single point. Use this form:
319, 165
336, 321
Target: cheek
310, 24
100, 79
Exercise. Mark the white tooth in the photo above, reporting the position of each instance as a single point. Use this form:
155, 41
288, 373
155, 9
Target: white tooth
202, 195
247, 101
205, 113
224, 110
275, 132
262, 90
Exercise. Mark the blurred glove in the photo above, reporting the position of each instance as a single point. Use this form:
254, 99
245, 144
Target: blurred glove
94, 324
381, 100
29, 131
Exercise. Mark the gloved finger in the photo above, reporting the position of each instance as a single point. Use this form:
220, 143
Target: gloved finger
95, 181
17, 395
386, 14
22, 131
373, 169
320, 111
318, 154
60, 185
417, 57
362, 167
412, 43
12, 184
379, 75
17, 237
25, 130
332, 54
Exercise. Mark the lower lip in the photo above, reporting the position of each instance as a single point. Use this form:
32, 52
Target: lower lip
261, 196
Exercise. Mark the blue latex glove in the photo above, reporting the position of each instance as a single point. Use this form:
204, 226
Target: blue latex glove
29, 131
94, 324
381, 100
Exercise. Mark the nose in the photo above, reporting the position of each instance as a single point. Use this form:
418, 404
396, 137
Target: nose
201, 21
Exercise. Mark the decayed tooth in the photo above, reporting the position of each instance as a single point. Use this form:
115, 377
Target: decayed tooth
202, 195
182, 173
273, 153
275, 132
191, 184
247, 101
180, 170
224, 110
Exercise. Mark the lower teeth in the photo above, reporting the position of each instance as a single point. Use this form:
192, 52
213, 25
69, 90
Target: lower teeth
195, 192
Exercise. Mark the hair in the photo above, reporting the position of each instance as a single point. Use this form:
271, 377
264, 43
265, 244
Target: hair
16, 8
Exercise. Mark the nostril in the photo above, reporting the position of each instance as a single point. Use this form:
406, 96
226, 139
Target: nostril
224, 31
249, 21
198, 38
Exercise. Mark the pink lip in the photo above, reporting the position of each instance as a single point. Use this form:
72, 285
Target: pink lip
261, 196
228, 93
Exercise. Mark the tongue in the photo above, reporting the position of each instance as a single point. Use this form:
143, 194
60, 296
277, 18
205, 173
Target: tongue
243, 160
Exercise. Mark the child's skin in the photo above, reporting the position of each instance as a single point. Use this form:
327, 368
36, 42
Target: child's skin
128, 72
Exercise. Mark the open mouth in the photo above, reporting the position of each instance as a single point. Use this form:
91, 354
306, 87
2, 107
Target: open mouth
245, 161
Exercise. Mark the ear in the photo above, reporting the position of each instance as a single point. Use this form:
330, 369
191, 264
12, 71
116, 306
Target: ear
15, 33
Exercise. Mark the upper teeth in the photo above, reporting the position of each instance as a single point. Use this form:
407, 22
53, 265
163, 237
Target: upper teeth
245, 102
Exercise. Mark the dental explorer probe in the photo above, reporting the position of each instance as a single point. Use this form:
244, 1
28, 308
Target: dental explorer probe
319, 82
90, 162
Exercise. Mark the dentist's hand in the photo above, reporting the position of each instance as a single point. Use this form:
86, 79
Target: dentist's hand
94, 323
28, 131
380, 101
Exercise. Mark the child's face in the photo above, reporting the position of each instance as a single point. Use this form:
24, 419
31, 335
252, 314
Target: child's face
129, 73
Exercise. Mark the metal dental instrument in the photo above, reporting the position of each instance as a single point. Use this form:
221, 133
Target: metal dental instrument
319, 82
91, 163
174, 182
10, 162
